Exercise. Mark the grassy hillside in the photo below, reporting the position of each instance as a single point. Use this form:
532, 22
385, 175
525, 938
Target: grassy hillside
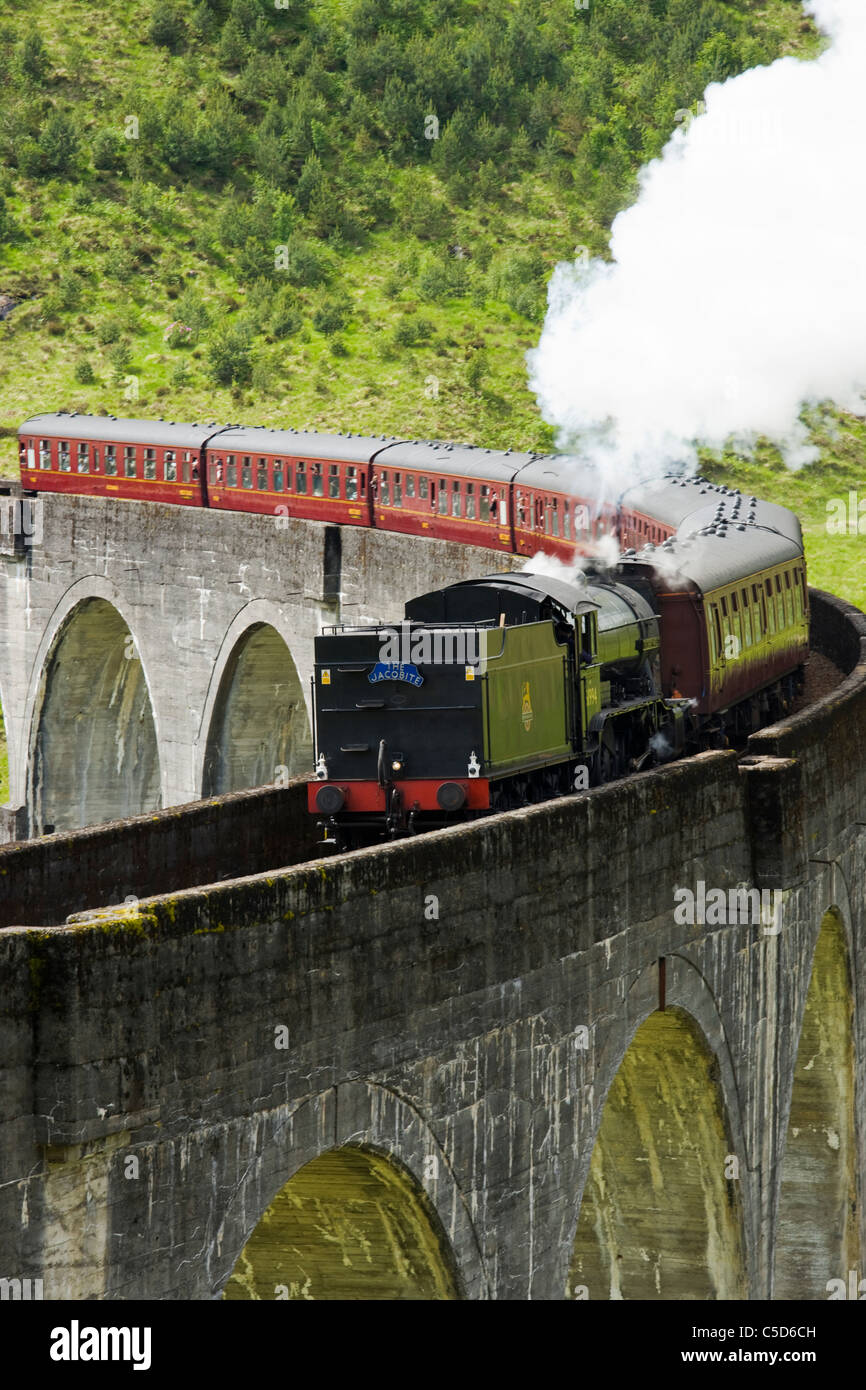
155, 160
343, 213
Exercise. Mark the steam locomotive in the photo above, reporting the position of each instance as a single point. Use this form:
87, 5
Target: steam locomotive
501, 691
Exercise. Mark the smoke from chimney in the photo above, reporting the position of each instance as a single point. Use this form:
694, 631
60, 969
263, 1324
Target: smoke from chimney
736, 292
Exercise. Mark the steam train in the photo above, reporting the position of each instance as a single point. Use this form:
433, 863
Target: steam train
509, 689
700, 631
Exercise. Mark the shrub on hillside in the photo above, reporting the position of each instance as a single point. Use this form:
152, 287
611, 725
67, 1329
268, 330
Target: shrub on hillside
108, 151
191, 310
301, 262
411, 331
33, 60
167, 28
58, 144
419, 210
331, 315
444, 277
285, 318
519, 280
229, 355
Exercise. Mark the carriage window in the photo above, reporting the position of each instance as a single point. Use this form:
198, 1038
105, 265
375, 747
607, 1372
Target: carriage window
96, 458
111, 461
64, 456
422, 489
747, 625
278, 475
169, 465
150, 464
771, 608
539, 513
485, 502
363, 484
410, 485
384, 489
129, 461
231, 470
301, 483
247, 471
351, 484
470, 501
83, 458
455, 497
566, 521
186, 466
735, 606
724, 607
44, 453
398, 491
318, 481
333, 480
717, 629
262, 475
443, 497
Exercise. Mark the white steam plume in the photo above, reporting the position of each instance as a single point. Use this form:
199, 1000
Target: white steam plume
605, 556
737, 290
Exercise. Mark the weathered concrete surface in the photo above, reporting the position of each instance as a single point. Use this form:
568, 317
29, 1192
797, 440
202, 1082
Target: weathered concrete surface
44, 881
146, 637
468, 997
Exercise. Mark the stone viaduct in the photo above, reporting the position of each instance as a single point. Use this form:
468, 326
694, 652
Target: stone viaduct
490, 1062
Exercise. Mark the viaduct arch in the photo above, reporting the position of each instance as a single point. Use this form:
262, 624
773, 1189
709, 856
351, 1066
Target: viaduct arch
255, 725
93, 753
817, 1235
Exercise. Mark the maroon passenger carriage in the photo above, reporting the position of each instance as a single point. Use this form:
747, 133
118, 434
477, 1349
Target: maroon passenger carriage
518, 503
730, 589
144, 460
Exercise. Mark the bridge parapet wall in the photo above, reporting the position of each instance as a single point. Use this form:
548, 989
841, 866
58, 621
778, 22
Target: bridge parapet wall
44, 881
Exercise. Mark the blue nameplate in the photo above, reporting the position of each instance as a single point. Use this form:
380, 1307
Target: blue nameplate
395, 671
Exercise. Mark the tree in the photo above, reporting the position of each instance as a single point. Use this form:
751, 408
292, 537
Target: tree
108, 150
59, 144
229, 355
234, 48
33, 56
167, 27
